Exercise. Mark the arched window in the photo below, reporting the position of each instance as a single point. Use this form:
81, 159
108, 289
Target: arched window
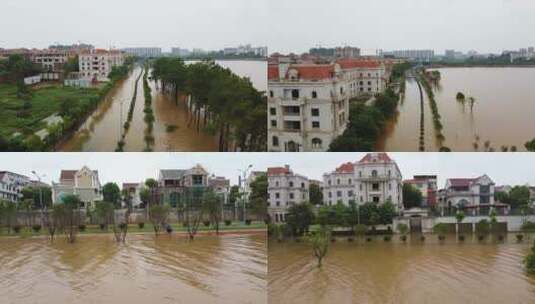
316, 143
374, 173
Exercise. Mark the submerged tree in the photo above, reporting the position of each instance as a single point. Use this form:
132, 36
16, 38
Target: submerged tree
319, 241
212, 206
68, 216
158, 215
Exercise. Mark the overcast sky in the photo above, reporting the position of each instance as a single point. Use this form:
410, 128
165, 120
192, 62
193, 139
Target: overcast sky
283, 25
503, 168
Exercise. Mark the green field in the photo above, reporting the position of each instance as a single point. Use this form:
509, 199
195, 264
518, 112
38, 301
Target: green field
44, 102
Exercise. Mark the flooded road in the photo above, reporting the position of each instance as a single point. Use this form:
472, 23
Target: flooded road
502, 113
229, 269
381, 272
102, 130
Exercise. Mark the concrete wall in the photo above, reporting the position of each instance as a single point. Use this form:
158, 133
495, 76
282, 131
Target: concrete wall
514, 222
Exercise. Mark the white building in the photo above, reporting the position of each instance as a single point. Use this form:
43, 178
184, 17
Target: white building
221, 186
176, 51
11, 185
83, 183
134, 191
97, 64
376, 178
418, 55
364, 76
144, 52
468, 193
285, 189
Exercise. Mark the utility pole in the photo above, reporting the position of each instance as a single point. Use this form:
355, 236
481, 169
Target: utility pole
243, 190
43, 207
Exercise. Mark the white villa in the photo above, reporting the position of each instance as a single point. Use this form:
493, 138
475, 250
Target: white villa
11, 185
83, 183
285, 189
473, 194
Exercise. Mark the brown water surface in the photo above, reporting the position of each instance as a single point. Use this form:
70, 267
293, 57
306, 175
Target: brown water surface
381, 272
228, 269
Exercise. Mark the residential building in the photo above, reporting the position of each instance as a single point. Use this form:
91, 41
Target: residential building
144, 52
250, 179
378, 180
175, 185
427, 185
221, 186
347, 52
308, 106
339, 185
11, 185
285, 189
472, 194
364, 76
97, 64
51, 60
134, 191
417, 55
176, 51
83, 183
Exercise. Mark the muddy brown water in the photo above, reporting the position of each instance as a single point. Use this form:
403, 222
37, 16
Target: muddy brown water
228, 269
102, 130
381, 272
502, 113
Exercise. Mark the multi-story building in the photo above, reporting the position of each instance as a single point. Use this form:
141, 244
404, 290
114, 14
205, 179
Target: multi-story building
51, 60
364, 76
97, 64
417, 55
174, 185
221, 186
176, 51
83, 183
11, 185
308, 106
144, 52
468, 193
285, 189
427, 185
134, 192
378, 180
339, 185
346, 52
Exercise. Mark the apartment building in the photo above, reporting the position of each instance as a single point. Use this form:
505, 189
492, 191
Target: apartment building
221, 186
97, 64
427, 185
346, 52
11, 185
364, 76
51, 60
339, 185
144, 52
285, 189
473, 194
83, 183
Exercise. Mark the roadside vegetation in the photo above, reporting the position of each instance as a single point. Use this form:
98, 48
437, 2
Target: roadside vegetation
126, 126
149, 114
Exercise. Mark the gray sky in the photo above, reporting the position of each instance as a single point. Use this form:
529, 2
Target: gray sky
483, 25
208, 24
283, 25
503, 168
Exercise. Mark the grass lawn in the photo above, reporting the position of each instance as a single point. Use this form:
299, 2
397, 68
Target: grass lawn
134, 228
45, 101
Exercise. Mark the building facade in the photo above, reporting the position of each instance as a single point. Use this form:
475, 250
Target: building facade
11, 185
133, 190
339, 185
427, 185
347, 52
97, 64
83, 183
468, 193
51, 60
285, 189
175, 186
144, 52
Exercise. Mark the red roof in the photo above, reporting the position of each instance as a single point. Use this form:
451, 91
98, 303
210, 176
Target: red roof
273, 71
358, 63
278, 171
67, 174
461, 182
313, 71
381, 157
346, 168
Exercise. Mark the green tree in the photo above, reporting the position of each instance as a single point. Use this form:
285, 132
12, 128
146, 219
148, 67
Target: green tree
158, 215
459, 216
530, 145
299, 218
112, 194
319, 241
529, 261
403, 230
412, 197
259, 196
440, 229
316, 196
212, 207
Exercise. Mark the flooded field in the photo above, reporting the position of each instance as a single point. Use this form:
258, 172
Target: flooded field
501, 114
229, 269
391, 272
102, 130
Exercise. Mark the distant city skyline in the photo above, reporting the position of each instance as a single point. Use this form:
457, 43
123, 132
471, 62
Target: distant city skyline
504, 168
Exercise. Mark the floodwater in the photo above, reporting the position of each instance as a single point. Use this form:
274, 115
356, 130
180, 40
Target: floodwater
391, 272
502, 113
172, 128
228, 269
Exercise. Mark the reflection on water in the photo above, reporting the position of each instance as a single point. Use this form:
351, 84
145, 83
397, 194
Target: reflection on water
501, 114
229, 269
380, 272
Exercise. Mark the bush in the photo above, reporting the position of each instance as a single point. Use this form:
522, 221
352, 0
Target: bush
519, 237
387, 238
169, 229
350, 239
368, 239
81, 227
228, 222
248, 222
403, 238
16, 228
206, 223
422, 238
461, 237
441, 237
481, 238
36, 228
141, 225
102, 226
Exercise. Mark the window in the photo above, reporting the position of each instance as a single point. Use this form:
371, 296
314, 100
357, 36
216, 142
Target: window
350, 193
277, 195
314, 94
276, 183
291, 184
349, 181
315, 124
316, 142
360, 173
275, 140
389, 186
315, 112
291, 196
374, 173
274, 123
375, 186
295, 94
360, 187
303, 185
271, 94
376, 199
329, 194
338, 193
273, 111
329, 182
338, 181
197, 180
